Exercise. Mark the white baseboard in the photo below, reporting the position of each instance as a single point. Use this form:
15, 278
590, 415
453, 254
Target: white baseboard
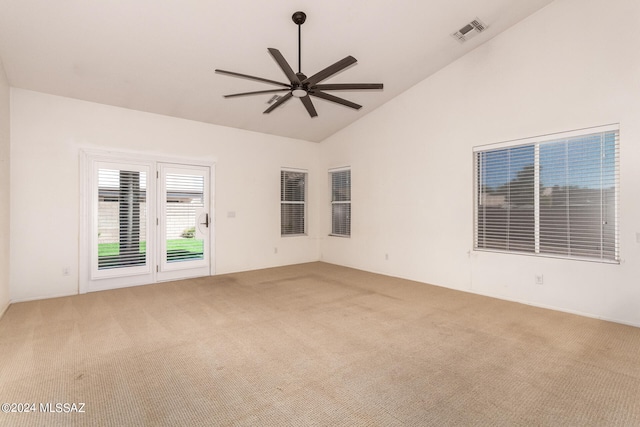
501, 297
3, 310
554, 308
43, 297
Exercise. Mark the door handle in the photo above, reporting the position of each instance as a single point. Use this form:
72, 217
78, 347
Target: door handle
206, 220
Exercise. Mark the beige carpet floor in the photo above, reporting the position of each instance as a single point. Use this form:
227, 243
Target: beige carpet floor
313, 345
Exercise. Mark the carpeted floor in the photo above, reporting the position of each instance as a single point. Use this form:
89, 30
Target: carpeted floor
312, 344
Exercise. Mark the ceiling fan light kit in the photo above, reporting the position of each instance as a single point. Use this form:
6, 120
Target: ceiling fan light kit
302, 87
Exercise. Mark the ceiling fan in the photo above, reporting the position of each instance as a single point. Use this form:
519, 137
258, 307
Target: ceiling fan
303, 87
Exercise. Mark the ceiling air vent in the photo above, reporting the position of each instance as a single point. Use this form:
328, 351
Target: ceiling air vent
469, 31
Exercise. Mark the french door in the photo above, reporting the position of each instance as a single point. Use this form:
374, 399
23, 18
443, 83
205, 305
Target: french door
183, 221
148, 222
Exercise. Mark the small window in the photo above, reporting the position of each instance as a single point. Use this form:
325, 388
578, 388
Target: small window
553, 196
293, 193
341, 202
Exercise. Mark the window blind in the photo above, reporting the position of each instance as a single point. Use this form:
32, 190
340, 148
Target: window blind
121, 218
341, 202
293, 187
184, 197
556, 197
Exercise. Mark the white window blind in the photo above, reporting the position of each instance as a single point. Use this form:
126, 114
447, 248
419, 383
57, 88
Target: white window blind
122, 205
556, 196
341, 202
293, 189
184, 199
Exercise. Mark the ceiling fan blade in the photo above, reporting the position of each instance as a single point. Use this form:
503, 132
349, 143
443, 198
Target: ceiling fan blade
309, 106
260, 79
233, 95
284, 65
332, 98
348, 86
278, 103
330, 70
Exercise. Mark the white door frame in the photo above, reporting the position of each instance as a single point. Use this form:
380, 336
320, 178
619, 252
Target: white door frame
88, 159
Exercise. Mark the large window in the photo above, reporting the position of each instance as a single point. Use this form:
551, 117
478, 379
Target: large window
554, 196
341, 202
293, 193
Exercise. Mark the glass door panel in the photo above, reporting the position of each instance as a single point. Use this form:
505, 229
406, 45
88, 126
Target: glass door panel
120, 224
184, 220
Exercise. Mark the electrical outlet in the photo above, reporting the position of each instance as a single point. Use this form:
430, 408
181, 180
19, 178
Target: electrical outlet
66, 271
386, 257
275, 250
539, 279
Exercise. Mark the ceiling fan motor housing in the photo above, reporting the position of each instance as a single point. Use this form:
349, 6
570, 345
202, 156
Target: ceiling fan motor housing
300, 90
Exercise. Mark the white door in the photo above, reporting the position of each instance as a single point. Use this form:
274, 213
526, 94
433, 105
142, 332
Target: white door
183, 221
144, 221
120, 231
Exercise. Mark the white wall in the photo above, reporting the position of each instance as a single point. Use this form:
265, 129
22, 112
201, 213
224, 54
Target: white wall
47, 134
4, 190
573, 64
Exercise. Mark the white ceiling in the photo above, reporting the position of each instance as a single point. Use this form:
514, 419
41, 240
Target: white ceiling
159, 55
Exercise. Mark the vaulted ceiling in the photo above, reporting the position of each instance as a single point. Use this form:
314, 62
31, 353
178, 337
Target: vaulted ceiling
159, 55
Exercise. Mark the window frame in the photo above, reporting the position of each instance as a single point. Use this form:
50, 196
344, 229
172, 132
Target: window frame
536, 143
295, 202
333, 232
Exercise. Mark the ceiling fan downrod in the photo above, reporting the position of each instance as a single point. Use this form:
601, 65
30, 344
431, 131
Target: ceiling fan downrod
299, 18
